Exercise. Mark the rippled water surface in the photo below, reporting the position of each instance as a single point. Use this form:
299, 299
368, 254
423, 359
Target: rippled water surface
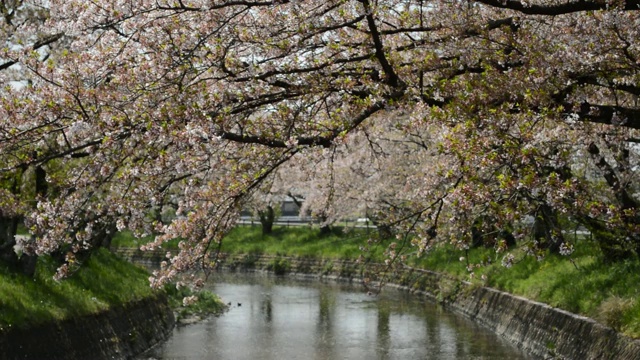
281, 319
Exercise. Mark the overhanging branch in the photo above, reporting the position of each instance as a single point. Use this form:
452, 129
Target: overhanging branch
559, 9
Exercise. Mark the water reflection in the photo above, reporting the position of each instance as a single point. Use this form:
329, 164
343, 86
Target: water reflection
273, 318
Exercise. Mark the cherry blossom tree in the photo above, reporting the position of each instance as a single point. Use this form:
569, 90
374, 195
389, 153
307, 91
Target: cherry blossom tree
127, 106
375, 173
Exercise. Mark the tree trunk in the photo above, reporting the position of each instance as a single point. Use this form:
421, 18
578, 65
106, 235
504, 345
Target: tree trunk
485, 233
547, 230
267, 218
477, 235
28, 261
8, 228
384, 230
325, 230
615, 245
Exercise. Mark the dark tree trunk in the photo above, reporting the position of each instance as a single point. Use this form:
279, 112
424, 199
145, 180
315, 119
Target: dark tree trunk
41, 182
508, 238
485, 233
28, 264
267, 218
108, 235
616, 244
385, 231
21, 262
547, 230
325, 230
28, 260
8, 228
477, 234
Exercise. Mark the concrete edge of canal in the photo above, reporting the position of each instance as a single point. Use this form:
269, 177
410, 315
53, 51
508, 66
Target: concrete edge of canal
119, 333
539, 329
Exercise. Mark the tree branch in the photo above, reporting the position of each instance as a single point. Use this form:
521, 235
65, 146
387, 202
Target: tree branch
392, 78
559, 9
323, 141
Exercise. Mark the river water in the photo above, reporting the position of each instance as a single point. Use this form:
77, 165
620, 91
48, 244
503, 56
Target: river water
273, 318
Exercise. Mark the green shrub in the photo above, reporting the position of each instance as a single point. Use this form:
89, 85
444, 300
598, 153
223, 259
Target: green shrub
327, 268
612, 311
187, 302
279, 266
249, 260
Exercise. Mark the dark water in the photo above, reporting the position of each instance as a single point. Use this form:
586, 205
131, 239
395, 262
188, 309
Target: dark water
282, 319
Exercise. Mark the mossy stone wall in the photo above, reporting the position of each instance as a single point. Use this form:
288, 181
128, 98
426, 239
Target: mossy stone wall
120, 333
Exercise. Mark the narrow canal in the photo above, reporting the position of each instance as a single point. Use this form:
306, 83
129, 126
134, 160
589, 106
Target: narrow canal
282, 319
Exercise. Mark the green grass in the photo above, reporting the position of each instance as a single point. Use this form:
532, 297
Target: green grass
297, 241
127, 239
285, 241
585, 289
587, 285
105, 281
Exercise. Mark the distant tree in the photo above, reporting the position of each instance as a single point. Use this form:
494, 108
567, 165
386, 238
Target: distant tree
267, 217
262, 206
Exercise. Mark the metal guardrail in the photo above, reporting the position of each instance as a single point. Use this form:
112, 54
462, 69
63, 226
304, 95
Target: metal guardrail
304, 221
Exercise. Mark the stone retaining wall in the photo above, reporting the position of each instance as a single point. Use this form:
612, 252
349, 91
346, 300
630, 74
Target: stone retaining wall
539, 329
120, 333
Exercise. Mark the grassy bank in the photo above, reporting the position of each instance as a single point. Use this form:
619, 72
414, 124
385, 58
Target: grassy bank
582, 284
286, 241
298, 241
104, 282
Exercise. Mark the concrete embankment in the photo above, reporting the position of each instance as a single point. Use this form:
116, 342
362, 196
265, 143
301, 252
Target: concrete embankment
119, 333
539, 329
